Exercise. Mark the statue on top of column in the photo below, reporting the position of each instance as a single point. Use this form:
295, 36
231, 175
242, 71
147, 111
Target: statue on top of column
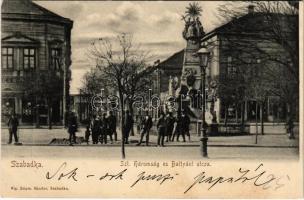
193, 27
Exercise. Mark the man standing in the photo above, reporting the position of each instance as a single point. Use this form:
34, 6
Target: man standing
128, 124
161, 127
146, 125
13, 124
185, 125
170, 126
95, 128
112, 125
104, 129
177, 130
72, 128
290, 127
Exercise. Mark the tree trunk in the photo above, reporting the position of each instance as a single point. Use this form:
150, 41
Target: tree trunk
122, 125
132, 114
256, 123
261, 117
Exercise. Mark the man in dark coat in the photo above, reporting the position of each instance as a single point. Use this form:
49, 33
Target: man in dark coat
104, 125
13, 124
146, 125
178, 129
185, 119
170, 126
161, 127
128, 124
290, 126
72, 128
95, 128
112, 125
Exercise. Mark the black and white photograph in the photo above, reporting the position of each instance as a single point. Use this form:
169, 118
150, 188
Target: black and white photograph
138, 84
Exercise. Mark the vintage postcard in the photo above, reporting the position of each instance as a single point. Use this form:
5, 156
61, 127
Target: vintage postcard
151, 99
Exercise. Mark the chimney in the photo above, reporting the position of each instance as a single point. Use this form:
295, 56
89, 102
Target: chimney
250, 9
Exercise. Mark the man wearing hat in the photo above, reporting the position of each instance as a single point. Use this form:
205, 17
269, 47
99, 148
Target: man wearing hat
72, 128
13, 124
146, 125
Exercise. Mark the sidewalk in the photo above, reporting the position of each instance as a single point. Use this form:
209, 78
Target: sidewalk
42, 137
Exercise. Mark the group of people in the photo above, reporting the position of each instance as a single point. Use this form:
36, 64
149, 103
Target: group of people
168, 127
100, 127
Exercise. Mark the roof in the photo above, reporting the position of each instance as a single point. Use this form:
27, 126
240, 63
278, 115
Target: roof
173, 62
246, 22
18, 38
26, 9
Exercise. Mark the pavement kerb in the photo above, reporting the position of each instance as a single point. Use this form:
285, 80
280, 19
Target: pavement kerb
154, 145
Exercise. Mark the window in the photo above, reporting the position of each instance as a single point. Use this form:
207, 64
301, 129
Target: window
231, 69
7, 59
55, 59
29, 58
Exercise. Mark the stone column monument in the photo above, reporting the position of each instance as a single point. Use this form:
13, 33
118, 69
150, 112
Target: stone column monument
191, 73
193, 34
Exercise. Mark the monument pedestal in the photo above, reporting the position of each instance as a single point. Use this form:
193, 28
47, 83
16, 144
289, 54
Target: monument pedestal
213, 131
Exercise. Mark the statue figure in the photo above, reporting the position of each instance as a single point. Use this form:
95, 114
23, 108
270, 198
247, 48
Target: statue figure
175, 83
190, 77
188, 24
193, 27
199, 27
191, 32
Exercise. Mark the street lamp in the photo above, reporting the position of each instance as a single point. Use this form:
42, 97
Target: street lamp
203, 55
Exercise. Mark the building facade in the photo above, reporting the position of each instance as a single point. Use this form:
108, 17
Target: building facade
35, 55
247, 69
248, 66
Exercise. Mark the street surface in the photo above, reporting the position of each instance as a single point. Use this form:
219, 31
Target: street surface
36, 144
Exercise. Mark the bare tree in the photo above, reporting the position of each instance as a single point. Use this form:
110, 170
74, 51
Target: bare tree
268, 34
123, 65
93, 82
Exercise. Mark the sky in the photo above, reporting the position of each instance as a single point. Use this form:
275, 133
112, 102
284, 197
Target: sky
156, 26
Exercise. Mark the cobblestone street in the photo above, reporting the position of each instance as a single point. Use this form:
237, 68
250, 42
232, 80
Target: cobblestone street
36, 144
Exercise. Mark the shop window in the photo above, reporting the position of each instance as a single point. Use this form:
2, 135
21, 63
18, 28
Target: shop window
7, 58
